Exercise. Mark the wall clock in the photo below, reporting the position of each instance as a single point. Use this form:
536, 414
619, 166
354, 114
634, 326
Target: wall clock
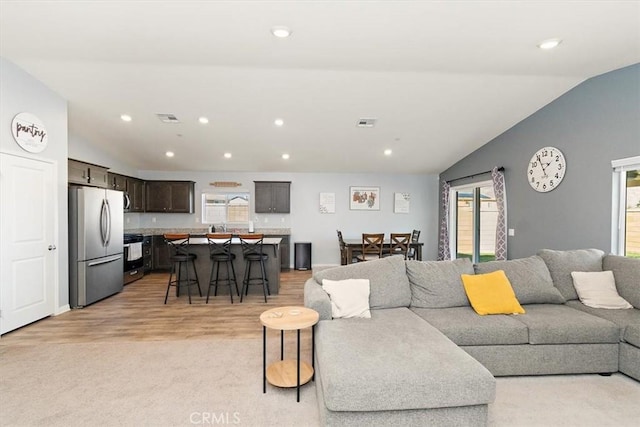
546, 169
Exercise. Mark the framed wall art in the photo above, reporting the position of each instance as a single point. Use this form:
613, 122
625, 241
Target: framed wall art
364, 198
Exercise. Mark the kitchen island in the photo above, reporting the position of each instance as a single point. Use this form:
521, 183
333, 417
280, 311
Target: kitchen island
200, 247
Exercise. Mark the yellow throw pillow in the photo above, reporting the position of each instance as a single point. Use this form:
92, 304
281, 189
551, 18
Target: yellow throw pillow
491, 293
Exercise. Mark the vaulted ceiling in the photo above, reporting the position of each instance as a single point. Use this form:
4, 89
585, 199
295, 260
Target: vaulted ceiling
440, 78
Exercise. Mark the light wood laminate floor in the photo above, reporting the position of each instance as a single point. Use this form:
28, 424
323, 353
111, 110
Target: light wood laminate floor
138, 314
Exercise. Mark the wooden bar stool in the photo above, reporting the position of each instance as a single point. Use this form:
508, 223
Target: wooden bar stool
178, 247
253, 254
220, 253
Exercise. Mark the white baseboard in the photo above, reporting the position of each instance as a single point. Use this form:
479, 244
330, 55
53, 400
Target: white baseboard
62, 309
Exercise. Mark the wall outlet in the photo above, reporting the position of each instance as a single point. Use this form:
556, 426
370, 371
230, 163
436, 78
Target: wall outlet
128, 220
266, 219
512, 232
197, 220
153, 219
282, 219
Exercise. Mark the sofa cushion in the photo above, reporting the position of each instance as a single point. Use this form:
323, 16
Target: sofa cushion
627, 274
395, 361
632, 334
560, 324
349, 298
388, 282
464, 326
437, 284
491, 293
529, 277
597, 289
562, 263
622, 318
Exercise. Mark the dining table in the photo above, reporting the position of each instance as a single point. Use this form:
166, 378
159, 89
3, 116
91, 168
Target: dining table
355, 246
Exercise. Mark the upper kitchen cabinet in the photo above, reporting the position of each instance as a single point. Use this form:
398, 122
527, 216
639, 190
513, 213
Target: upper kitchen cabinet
135, 189
273, 196
117, 181
87, 174
170, 196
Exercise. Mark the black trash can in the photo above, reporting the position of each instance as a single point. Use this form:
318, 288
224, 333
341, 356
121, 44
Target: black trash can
302, 256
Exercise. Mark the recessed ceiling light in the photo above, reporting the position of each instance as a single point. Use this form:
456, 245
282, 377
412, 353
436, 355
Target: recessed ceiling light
203, 120
285, 156
387, 152
549, 44
280, 31
227, 155
278, 122
126, 117
169, 154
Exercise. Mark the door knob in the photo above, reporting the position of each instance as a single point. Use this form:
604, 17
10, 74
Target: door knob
52, 247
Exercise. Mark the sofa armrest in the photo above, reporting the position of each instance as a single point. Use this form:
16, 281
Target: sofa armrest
317, 299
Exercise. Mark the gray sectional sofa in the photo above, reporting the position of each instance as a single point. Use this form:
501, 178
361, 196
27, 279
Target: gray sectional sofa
426, 358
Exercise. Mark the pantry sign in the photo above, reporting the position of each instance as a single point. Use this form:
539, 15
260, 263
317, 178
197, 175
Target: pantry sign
29, 132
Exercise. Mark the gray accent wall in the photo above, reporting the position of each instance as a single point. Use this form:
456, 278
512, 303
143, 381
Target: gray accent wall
594, 123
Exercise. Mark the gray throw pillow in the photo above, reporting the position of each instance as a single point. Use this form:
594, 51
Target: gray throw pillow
529, 277
562, 263
388, 283
626, 272
437, 284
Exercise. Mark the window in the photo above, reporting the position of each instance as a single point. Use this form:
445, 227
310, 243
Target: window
625, 236
225, 208
474, 216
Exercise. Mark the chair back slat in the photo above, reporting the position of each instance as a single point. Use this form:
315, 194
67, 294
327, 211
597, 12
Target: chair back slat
219, 244
177, 243
400, 244
372, 244
251, 244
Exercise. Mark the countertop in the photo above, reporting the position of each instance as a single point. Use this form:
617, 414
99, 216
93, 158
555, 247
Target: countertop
234, 241
203, 230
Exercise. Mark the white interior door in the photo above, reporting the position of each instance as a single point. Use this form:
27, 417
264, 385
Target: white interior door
28, 257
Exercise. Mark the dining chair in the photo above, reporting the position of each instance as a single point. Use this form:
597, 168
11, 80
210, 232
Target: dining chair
344, 251
399, 244
415, 235
372, 244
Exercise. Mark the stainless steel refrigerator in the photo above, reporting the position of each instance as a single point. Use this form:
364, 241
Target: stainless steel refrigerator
96, 248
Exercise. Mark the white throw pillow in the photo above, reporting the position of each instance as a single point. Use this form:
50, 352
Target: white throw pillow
349, 298
598, 290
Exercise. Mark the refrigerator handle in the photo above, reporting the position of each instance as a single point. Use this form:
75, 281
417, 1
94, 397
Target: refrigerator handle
103, 227
108, 231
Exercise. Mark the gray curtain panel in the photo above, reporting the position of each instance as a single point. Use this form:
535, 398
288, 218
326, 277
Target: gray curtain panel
497, 177
444, 253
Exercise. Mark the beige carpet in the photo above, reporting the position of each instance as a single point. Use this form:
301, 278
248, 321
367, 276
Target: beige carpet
218, 382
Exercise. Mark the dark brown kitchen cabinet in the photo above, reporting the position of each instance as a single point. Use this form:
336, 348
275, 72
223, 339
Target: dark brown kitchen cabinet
170, 196
147, 253
117, 181
135, 189
83, 173
160, 257
272, 196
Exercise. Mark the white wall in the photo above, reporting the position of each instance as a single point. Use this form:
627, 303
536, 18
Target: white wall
23, 93
306, 222
81, 149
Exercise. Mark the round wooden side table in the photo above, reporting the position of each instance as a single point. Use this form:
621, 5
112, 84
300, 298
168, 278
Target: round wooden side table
288, 373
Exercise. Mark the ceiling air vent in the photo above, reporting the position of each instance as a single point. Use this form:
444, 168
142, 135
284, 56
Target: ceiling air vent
366, 123
167, 118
